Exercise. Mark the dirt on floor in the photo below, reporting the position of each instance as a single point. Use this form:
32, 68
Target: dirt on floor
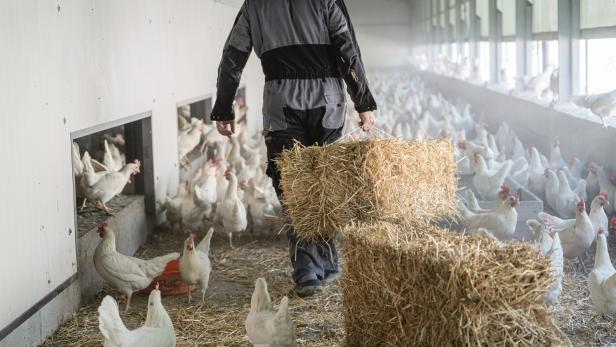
220, 320
318, 320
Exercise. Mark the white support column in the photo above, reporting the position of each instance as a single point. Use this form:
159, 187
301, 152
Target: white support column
565, 48
459, 30
473, 36
575, 48
494, 39
523, 36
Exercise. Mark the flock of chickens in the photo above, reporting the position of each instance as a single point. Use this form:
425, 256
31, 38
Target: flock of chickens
229, 189
264, 325
543, 87
497, 158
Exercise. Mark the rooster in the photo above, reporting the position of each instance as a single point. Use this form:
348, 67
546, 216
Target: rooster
157, 331
266, 327
195, 265
126, 274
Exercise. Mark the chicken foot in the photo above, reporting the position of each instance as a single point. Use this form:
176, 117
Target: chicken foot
230, 240
83, 205
184, 163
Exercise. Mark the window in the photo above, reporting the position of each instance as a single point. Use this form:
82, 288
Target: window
544, 28
543, 54
508, 47
483, 14
598, 65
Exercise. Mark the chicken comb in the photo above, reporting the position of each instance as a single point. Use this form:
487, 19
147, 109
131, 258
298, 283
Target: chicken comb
505, 189
605, 195
120, 136
156, 286
582, 202
137, 162
103, 225
461, 144
600, 231
613, 221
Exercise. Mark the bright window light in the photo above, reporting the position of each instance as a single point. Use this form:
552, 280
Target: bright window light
484, 60
543, 54
598, 65
509, 65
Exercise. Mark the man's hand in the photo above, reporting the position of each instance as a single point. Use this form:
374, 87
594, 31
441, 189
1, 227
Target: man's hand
366, 120
226, 127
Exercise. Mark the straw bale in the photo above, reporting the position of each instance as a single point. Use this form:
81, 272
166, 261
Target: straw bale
325, 188
410, 286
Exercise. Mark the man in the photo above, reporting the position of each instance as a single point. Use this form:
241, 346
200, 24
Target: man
306, 48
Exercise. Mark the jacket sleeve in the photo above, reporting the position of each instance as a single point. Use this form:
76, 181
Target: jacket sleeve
234, 57
342, 37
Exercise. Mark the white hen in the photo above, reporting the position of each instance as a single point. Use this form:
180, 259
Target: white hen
266, 327
549, 246
575, 237
126, 274
603, 105
157, 331
501, 221
567, 198
195, 265
232, 210
488, 182
602, 279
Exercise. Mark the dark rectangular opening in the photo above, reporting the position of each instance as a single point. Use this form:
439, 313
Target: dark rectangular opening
128, 139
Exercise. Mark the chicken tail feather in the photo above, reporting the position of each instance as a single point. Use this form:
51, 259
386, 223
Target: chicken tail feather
155, 266
204, 245
109, 322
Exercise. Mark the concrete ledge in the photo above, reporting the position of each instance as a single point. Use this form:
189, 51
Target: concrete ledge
534, 123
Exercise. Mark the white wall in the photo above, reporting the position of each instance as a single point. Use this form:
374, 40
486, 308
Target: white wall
383, 30
68, 68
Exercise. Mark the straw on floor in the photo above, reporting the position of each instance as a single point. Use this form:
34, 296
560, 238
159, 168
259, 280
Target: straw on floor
409, 286
325, 188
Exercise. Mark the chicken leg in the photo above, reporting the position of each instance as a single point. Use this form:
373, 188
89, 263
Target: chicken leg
83, 205
190, 289
128, 297
230, 240
106, 209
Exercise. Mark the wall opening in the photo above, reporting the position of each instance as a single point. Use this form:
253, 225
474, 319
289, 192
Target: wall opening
112, 147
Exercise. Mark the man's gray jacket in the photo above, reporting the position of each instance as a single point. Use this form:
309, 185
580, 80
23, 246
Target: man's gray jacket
306, 47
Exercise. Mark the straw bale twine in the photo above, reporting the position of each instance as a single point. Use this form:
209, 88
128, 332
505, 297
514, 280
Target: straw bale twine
410, 286
325, 188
